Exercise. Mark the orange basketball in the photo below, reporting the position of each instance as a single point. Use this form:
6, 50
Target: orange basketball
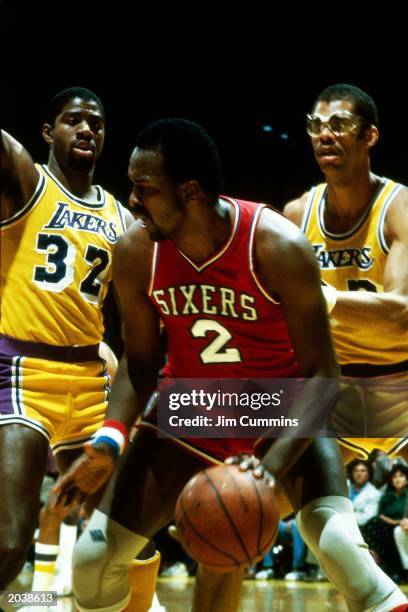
227, 518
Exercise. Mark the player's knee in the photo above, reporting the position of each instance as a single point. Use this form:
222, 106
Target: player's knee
100, 565
89, 561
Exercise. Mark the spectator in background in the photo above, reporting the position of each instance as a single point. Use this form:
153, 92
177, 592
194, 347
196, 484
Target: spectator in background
379, 531
381, 466
363, 495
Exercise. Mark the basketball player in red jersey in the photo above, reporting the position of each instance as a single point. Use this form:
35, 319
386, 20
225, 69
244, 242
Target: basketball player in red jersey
234, 283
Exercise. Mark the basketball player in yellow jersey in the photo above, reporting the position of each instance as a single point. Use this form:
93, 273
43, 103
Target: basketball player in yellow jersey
357, 223
58, 232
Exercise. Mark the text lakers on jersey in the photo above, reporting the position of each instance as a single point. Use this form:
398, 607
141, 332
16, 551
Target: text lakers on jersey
355, 261
56, 257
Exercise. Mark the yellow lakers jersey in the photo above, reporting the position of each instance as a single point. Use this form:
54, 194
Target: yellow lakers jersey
56, 258
355, 261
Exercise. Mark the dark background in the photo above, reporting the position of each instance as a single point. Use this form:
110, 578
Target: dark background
233, 75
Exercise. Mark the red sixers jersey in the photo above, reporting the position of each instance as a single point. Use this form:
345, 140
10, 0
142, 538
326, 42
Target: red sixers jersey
220, 321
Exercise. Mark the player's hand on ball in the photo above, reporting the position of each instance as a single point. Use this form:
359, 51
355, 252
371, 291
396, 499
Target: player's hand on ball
250, 462
87, 474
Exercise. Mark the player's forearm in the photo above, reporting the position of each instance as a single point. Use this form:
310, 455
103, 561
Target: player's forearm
360, 308
128, 397
312, 410
283, 454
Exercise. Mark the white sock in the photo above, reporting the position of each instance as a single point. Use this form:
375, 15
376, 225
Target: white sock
68, 537
392, 601
329, 527
62, 582
44, 565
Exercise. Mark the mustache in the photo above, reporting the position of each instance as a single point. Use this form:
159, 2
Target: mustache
139, 211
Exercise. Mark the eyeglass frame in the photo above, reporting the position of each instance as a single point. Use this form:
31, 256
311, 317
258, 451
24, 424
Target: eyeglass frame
343, 114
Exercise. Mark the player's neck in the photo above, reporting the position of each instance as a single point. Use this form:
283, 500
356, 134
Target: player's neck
206, 231
79, 185
348, 198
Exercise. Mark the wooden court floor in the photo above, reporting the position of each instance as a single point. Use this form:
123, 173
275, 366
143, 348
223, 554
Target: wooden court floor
257, 596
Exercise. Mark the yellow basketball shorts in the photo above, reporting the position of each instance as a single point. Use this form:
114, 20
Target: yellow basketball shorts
65, 401
373, 413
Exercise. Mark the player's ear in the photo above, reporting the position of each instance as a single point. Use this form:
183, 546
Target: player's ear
371, 136
47, 133
189, 190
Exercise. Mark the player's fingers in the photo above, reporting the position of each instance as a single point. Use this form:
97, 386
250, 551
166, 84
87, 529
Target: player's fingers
269, 479
259, 471
58, 500
75, 498
52, 501
232, 460
245, 465
59, 489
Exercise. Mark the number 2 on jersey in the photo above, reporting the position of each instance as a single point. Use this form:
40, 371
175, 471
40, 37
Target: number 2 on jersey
215, 351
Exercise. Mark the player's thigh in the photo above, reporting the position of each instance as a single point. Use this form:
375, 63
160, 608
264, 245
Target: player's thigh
145, 487
23, 457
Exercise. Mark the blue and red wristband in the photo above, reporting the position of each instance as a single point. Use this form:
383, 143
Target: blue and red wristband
113, 433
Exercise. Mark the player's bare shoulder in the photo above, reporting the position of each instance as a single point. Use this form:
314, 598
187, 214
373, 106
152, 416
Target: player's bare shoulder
295, 209
133, 256
282, 252
276, 234
396, 218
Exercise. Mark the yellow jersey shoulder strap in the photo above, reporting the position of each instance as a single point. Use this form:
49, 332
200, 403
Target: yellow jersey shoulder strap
385, 198
316, 194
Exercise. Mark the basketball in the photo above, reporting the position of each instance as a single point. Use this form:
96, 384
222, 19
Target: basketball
227, 518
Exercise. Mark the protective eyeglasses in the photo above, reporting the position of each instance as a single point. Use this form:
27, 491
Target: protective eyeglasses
339, 123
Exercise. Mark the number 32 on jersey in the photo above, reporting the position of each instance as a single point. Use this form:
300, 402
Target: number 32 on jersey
58, 273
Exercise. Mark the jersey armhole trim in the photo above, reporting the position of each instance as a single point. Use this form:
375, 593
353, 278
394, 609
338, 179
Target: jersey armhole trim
251, 246
308, 210
381, 238
119, 207
35, 198
153, 267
